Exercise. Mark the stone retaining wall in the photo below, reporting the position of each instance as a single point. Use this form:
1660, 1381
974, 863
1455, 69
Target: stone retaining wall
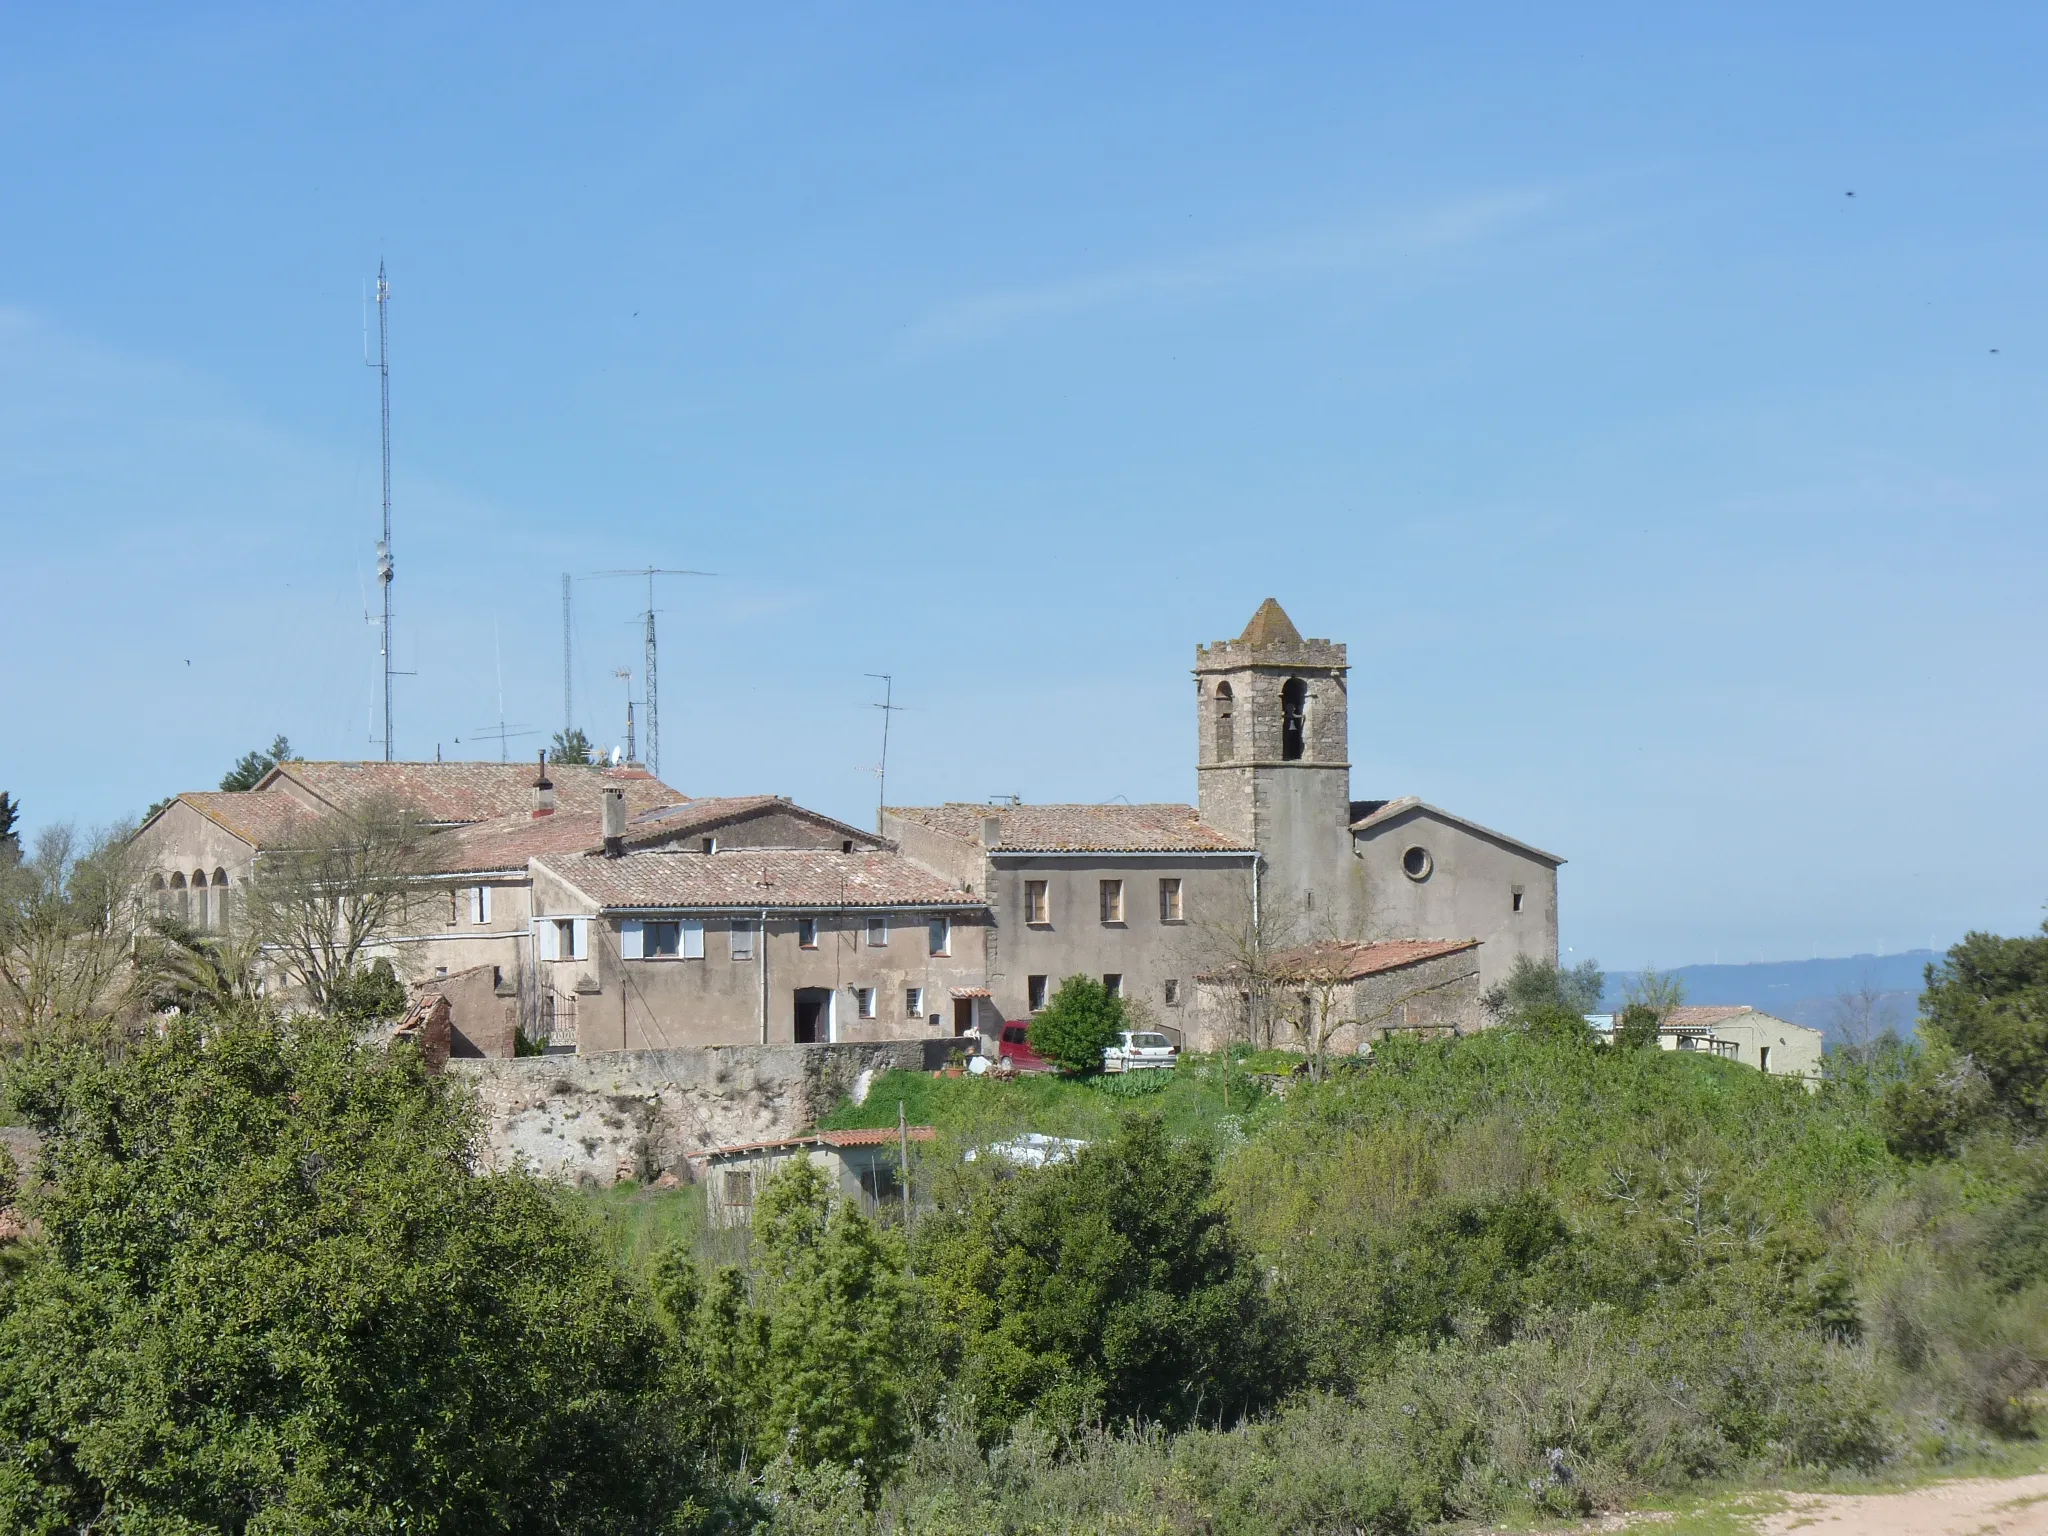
641, 1114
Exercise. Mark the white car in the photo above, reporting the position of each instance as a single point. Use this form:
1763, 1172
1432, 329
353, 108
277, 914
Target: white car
1138, 1050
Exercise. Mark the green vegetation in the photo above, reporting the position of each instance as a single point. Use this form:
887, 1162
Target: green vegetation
1508, 1278
570, 746
1080, 1022
248, 772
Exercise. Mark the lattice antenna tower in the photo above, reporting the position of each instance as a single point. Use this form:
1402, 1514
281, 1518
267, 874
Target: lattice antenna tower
385, 569
650, 724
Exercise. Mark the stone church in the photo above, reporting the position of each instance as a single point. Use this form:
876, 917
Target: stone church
1145, 896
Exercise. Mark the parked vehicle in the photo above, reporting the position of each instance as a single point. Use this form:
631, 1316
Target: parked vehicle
1139, 1050
1015, 1048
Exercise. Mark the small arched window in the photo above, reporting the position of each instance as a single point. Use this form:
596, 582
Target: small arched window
160, 897
199, 919
181, 899
1226, 724
1293, 718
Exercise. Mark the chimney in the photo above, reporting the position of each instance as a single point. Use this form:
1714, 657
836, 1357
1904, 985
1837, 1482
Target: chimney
543, 792
614, 821
991, 831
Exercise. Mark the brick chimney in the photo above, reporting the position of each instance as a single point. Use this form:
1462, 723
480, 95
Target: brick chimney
543, 791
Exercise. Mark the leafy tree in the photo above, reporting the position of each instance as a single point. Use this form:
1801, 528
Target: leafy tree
273, 1298
195, 970
1988, 1000
10, 839
1636, 1028
571, 746
248, 772
1659, 991
1535, 986
1111, 1287
369, 992
803, 1358
1082, 1019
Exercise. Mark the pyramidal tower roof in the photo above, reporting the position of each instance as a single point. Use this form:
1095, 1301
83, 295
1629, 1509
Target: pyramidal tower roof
1270, 640
1270, 626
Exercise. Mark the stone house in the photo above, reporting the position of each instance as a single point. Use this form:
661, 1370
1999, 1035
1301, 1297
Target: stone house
863, 1166
1371, 988
1741, 1033
1148, 896
755, 945
1126, 893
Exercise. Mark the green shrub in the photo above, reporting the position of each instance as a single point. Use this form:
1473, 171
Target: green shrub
1082, 1019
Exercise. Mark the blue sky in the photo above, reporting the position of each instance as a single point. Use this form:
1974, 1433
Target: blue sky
1682, 512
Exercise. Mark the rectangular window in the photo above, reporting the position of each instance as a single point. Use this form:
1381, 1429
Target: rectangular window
480, 904
693, 941
454, 906
711, 845
1112, 901
1037, 902
1169, 901
913, 1002
661, 941
743, 941
1172, 992
571, 939
807, 933
939, 933
1034, 992
1763, 1058
1113, 983
864, 1000
739, 1189
1517, 899
878, 933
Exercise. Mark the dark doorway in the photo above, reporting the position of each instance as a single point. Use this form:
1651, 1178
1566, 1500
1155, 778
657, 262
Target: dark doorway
813, 1015
963, 1015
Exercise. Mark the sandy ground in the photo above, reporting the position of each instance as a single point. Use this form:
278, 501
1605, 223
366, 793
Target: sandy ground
2012, 1506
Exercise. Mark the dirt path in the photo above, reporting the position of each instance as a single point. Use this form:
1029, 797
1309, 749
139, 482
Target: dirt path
2006, 1506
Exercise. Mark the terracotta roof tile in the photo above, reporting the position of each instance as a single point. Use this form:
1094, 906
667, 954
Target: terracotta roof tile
1703, 1015
459, 792
755, 877
262, 818
1350, 961
1078, 828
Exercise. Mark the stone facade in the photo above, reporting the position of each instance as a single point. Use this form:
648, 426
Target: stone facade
641, 1114
1375, 990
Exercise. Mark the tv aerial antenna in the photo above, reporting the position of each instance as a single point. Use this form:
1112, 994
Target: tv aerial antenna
385, 569
888, 707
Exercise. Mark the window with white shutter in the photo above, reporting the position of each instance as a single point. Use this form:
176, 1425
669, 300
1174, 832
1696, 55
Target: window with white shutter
547, 938
743, 941
631, 932
693, 941
579, 938
483, 903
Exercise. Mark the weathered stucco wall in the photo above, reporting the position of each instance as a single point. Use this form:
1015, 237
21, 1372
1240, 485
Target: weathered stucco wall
1468, 892
640, 1114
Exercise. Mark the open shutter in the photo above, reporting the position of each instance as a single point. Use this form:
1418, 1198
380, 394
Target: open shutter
547, 938
476, 903
630, 932
483, 903
580, 937
693, 941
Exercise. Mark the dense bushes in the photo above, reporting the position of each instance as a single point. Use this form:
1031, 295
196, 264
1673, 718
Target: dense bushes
270, 1296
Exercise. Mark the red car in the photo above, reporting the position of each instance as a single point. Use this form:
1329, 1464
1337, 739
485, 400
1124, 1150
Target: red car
1015, 1048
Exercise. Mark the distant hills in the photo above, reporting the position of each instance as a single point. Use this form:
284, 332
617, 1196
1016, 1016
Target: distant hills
1809, 992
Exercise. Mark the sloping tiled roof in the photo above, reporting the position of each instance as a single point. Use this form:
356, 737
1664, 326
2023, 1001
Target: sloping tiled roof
1707, 1015
756, 877
673, 821
1347, 961
1079, 828
1387, 810
262, 818
507, 842
470, 791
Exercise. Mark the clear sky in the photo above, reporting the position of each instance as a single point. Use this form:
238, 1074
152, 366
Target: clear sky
1683, 512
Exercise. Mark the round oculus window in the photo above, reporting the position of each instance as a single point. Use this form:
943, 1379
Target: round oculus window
1415, 863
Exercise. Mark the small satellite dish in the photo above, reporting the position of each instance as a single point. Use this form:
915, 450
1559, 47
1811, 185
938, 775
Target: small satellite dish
615, 757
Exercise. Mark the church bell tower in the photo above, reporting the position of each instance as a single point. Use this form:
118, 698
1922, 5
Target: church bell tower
1273, 763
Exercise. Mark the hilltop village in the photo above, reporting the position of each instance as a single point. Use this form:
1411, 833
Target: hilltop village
594, 909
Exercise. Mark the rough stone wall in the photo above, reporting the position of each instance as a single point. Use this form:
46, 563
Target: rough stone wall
641, 1114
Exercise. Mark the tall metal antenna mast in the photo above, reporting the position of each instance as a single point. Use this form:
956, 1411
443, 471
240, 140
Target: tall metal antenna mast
568, 692
888, 707
384, 566
649, 684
